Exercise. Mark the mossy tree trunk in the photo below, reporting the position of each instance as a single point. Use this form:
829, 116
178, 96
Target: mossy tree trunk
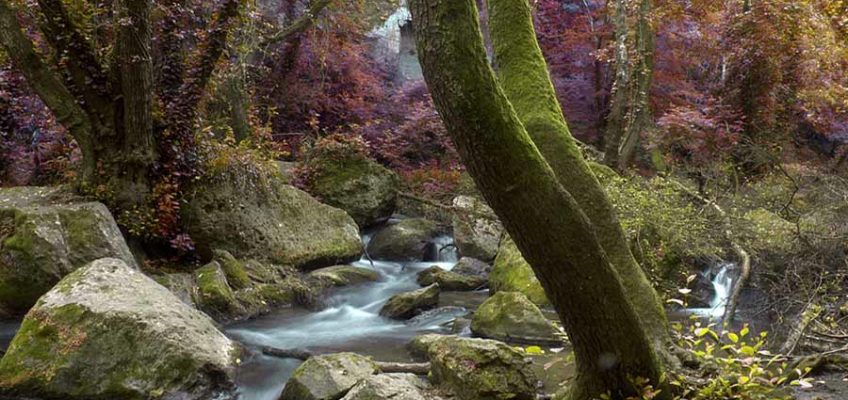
630, 112
524, 77
548, 224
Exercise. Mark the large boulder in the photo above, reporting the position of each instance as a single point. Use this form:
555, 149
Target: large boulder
409, 304
327, 377
356, 184
249, 211
511, 317
472, 267
476, 228
449, 280
408, 240
107, 331
344, 275
46, 234
480, 369
390, 386
511, 273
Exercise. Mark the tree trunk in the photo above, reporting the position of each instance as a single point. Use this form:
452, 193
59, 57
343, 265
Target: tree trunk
630, 111
133, 141
524, 77
545, 221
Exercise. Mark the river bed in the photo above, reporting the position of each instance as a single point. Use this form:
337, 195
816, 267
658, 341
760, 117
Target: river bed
350, 322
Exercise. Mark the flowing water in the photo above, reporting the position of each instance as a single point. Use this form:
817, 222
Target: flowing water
350, 323
722, 284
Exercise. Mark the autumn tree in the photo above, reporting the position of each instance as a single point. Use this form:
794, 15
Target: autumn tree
510, 132
138, 153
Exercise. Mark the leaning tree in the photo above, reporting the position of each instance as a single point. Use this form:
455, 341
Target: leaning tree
510, 132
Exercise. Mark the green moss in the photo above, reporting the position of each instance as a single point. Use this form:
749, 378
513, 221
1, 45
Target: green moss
511, 273
510, 316
214, 293
236, 274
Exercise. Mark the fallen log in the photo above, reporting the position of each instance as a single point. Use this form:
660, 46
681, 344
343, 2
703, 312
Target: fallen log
810, 312
406, 368
297, 354
383, 367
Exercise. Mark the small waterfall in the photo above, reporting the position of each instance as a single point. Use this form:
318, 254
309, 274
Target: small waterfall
722, 284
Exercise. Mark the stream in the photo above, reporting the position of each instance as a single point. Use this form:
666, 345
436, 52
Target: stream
350, 322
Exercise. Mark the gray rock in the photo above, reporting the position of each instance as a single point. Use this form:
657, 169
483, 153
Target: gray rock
476, 229
327, 377
344, 275
181, 285
46, 234
472, 267
254, 214
407, 240
108, 331
511, 317
390, 386
449, 280
409, 304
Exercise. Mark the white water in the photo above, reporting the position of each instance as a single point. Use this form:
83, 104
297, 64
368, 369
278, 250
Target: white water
351, 322
722, 286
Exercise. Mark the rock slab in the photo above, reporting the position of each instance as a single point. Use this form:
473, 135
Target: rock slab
109, 331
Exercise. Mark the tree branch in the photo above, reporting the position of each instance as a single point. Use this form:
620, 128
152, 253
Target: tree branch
46, 84
86, 77
300, 25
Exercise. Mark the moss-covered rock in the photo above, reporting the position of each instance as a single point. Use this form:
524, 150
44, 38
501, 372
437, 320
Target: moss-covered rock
234, 269
344, 275
356, 184
46, 234
476, 229
249, 211
272, 287
408, 240
511, 317
409, 304
327, 377
214, 294
449, 280
419, 346
511, 273
107, 331
481, 369
390, 386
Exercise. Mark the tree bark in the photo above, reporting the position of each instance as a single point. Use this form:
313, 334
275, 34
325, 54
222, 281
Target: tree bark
524, 77
630, 111
546, 222
134, 139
